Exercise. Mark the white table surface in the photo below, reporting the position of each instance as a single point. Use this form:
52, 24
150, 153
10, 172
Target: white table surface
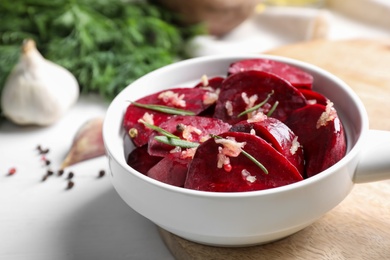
42, 220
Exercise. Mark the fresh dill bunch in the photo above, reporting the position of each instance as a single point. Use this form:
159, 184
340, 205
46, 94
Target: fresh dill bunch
105, 44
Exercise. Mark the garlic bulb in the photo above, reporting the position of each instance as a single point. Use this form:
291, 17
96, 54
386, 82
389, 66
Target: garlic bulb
37, 91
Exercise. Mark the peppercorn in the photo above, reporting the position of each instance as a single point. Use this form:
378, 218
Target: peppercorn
70, 175
70, 185
101, 173
60, 172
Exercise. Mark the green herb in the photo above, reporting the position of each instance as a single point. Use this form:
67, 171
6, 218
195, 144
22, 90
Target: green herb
169, 138
271, 111
106, 44
253, 159
165, 109
176, 142
160, 130
257, 106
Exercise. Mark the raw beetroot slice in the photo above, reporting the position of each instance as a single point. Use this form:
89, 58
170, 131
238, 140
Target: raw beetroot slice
170, 170
141, 160
190, 128
321, 134
314, 97
297, 77
214, 83
191, 99
279, 135
244, 175
240, 89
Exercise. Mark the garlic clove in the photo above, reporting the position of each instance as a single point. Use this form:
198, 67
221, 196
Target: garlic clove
37, 91
87, 143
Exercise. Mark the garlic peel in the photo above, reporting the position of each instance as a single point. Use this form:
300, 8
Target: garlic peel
37, 91
87, 143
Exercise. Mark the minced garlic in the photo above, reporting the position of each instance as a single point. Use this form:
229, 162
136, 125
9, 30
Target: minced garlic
295, 145
148, 118
328, 115
229, 108
171, 98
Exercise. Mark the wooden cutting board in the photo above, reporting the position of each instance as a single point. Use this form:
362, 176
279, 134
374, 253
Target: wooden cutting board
359, 227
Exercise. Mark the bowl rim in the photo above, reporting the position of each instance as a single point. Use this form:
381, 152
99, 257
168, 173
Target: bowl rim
108, 133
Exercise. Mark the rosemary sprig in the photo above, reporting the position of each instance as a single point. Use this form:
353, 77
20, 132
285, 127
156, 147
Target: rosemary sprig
257, 106
165, 109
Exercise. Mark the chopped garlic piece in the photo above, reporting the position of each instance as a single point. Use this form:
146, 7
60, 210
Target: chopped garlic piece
253, 132
148, 118
250, 102
210, 97
188, 130
222, 159
230, 146
204, 138
177, 149
229, 108
295, 145
328, 115
188, 153
247, 176
171, 98
205, 80
258, 117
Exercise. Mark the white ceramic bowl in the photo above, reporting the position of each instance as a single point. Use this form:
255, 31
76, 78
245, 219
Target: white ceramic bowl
244, 218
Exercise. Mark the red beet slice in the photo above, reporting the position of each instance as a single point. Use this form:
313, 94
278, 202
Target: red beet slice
194, 101
321, 134
189, 128
278, 135
203, 173
140, 160
314, 97
170, 170
297, 77
256, 83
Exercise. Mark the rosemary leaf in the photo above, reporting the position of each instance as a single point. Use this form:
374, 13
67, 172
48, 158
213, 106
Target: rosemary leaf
253, 159
160, 130
165, 109
257, 106
270, 112
176, 142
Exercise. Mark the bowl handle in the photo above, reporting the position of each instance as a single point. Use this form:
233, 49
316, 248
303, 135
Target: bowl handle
374, 163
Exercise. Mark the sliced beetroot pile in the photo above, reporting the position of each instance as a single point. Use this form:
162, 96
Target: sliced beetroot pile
321, 134
276, 133
208, 172
189, 99
241, 91
190, 128
297, 77
261, 127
